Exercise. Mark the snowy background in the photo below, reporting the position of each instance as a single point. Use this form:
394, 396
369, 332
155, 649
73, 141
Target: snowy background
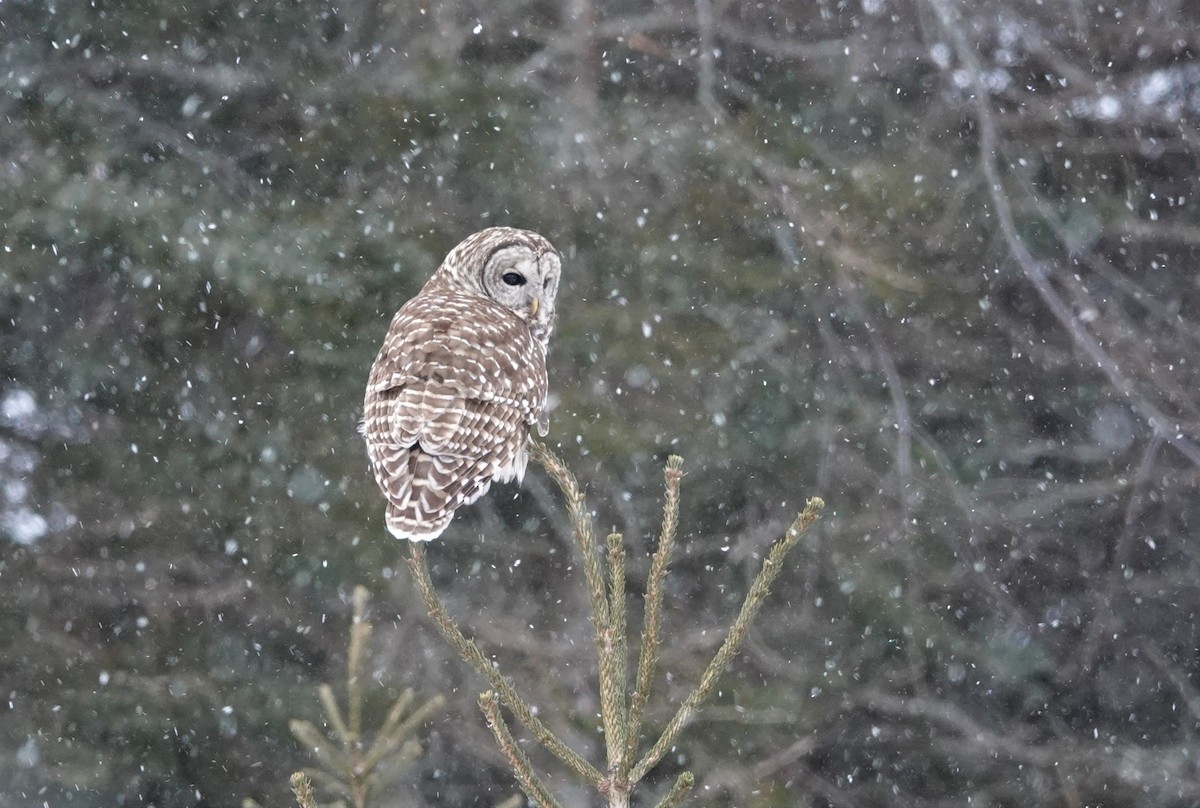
935, 262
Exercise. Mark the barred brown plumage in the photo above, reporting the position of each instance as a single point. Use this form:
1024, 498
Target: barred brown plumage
460, 378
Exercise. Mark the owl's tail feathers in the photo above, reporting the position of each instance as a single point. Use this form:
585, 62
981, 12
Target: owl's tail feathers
427, 490
403, 524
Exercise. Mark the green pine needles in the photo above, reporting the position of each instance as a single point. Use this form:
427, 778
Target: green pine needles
622, 708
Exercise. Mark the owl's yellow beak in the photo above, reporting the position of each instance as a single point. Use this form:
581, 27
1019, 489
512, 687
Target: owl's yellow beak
533, 307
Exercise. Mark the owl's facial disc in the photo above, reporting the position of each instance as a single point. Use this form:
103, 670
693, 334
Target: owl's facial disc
542, 308
523, 281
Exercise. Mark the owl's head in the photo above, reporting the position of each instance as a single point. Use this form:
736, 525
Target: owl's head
516, 268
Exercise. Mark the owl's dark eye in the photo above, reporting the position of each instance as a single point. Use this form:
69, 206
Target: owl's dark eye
513, 278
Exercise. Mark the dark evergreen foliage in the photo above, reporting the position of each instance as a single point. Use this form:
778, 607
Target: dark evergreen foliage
932, 262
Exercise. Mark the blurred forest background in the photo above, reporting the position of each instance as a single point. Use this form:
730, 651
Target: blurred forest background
935, 262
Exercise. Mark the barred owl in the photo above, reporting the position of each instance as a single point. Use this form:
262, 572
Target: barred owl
461, 378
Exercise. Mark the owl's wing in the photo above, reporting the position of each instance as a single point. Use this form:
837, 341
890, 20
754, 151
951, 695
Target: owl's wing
444, 351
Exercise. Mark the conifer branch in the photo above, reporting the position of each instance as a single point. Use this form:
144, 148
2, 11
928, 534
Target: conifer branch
581, 526
652, 620
303, 790
394, 733
331, 782
612, 680
311, 737
622, 713
683, 784
357, 768
360, 632
531, 784
470, 652
333, 714
613, 661
772, 565
399, 707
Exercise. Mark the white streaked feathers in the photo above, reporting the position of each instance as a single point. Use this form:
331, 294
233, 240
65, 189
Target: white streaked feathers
460, 378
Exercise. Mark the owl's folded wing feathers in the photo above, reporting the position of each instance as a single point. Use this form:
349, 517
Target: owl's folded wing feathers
462, 346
